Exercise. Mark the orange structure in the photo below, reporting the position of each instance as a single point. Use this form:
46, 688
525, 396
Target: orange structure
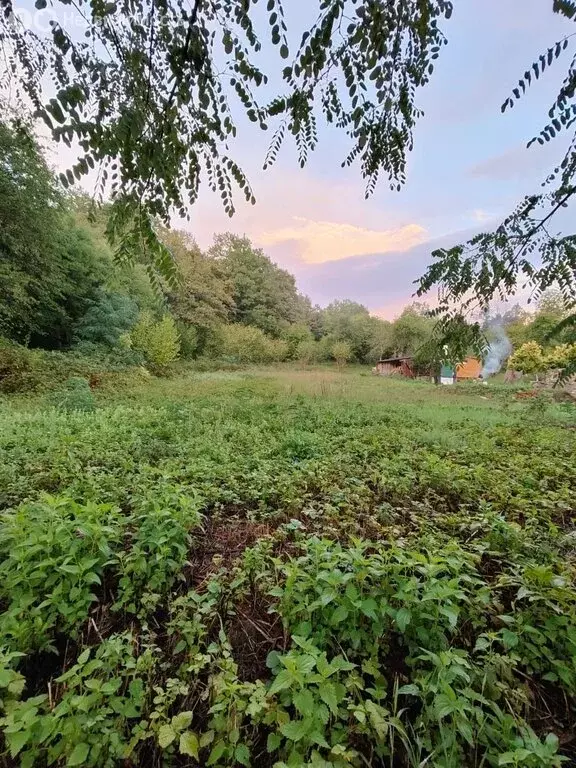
469, 369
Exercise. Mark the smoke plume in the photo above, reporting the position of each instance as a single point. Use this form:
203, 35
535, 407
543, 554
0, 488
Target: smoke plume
499, 349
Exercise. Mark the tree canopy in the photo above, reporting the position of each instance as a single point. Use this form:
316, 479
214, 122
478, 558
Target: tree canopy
263, 295
49, 269
150, 92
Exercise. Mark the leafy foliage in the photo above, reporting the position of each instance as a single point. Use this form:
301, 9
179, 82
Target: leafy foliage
203, 298
74, 396
53, 554
49, 269
522, 250
341, 352
234, 565
263, 295
158, 340
107, 320
153, 103
247, 344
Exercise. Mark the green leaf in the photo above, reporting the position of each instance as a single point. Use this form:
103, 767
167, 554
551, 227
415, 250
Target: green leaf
281, 681
242, 754
409, 689
510, 639
339, 615
451, 614
79, 754
166, 735
295, 729
327, 693
466, 730
377, 717
217, 752
189, 744
181, 721
317, 738
206, 738
273, 742
403, 618
16, 741
304, 702
369, 608
5, 677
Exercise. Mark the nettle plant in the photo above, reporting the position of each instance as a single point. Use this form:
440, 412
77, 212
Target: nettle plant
390, 648
94, 721
52, 557
160, 542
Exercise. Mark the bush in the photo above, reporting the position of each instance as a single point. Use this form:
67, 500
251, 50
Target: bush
528, 358
296, 335
157, 340
275, 351
311, 351
35, 370
341, 352
16, 368
189, 341
107, 320
74, 396
561, 356
247, 344
100, 358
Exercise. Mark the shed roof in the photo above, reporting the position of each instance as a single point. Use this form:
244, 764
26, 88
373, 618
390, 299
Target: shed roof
395, 359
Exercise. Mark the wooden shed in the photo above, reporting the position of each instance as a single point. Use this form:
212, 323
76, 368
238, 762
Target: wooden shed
469, 369
395, 365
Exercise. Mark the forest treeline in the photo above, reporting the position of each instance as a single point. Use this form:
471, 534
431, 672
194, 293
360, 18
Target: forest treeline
62, 289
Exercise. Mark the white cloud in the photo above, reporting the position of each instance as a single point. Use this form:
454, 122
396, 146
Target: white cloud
481, 216
322, 241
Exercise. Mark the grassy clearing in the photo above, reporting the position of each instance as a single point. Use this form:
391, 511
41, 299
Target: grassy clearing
289, 567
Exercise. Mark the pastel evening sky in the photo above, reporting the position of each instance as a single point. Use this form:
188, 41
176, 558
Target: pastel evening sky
468, 169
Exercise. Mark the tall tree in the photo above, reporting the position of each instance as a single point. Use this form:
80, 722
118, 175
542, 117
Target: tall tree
264, 295
411, 330
203, 296
49, 269
350, 322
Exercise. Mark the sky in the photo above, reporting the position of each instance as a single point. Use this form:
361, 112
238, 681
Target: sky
468, 169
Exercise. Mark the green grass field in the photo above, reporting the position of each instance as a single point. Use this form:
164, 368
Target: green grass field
285, 567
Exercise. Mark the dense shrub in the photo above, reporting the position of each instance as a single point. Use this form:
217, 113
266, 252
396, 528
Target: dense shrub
158, 340
342, 353
107, 319
311, 351
247, 344
34, 370
532, 358
189, 340
17, 368
296, 335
